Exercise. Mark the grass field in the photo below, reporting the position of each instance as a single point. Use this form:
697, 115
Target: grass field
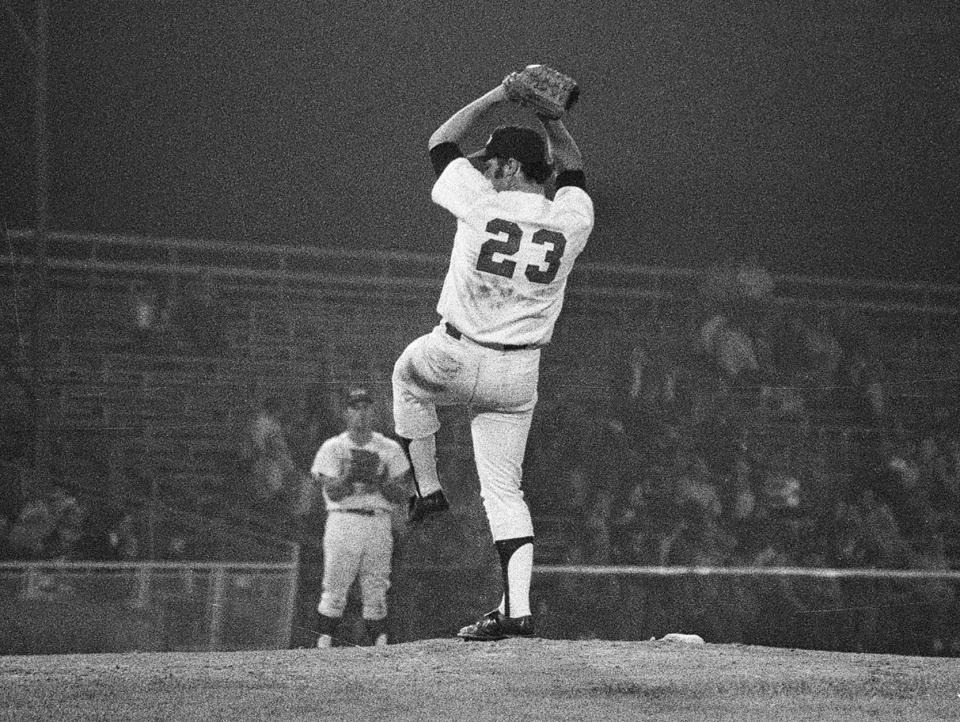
453, 680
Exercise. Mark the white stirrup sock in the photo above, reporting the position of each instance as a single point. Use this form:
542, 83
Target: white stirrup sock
423, 457
517, 588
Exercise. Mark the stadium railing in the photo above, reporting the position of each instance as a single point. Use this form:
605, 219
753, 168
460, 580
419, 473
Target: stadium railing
897, 611
409, 273
53, 607
910, 612
182, 582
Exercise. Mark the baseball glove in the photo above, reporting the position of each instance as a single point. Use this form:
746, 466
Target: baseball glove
363, 467
364, 471
546, 91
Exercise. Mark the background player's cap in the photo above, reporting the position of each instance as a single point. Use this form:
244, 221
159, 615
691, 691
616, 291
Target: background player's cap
358, 395
515, 141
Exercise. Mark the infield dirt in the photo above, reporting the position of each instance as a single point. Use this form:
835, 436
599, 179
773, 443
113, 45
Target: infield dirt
452, 680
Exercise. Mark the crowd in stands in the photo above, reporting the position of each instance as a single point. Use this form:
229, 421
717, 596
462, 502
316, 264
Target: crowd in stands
741, 432
190, 320
737, 431
43, 519
749, 433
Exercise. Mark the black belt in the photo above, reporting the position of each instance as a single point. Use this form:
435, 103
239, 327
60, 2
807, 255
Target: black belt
455, 332
361, 512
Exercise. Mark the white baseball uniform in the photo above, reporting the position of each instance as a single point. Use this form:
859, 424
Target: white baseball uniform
512, 254
357, 539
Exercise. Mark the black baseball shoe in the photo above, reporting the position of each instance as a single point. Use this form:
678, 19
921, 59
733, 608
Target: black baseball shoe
421, 507
495, 626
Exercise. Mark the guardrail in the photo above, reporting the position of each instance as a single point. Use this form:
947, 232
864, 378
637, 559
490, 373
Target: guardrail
410, 272
83, 607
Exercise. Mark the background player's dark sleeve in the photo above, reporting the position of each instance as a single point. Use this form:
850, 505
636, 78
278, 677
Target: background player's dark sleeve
441, 155
571, 178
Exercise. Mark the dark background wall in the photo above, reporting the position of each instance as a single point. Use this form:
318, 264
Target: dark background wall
822, 137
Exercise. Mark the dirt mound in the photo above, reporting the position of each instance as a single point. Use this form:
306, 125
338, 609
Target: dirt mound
450, 679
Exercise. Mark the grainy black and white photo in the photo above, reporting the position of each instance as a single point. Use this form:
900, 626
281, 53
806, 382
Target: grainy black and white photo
425, 360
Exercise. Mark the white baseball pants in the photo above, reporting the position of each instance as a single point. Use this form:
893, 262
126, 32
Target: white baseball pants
500, 388
356, 545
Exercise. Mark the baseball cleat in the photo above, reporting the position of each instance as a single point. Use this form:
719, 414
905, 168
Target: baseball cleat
421, 507
494, 626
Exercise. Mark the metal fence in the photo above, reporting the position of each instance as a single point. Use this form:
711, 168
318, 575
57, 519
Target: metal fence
915, 612
85, 607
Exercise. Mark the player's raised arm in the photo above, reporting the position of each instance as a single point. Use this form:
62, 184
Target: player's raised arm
563, 148
457, 125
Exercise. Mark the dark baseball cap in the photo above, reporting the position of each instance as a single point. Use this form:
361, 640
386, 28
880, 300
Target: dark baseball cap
515, 141
358, 395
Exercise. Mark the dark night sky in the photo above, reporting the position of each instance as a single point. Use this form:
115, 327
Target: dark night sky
822, 139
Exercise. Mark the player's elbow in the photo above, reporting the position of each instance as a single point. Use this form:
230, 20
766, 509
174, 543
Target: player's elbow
437, 138
568, 162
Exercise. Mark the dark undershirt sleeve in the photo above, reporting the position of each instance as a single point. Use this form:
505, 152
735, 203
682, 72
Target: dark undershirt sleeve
442, 154
572, 178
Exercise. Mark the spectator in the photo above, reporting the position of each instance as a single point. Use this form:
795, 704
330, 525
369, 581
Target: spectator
769, 525
731, 349
124, 543
199, 317
698, 538
720, 282
939, 481
870, 536
69, 519
895, 482
589, 511
822, 347
737, 494
653, 368
670, 520
48, 526
602, 465
787, 345
867, 396
31, 528
316, 420
782, 488
149, 318
753, 281
939, 469
107, 535
272, 483
695, 484
822, 356
630, 537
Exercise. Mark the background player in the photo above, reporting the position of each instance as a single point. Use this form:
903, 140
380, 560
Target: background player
361, 473
501, 297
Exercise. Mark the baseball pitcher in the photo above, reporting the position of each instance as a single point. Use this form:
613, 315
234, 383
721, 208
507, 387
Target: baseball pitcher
512, 253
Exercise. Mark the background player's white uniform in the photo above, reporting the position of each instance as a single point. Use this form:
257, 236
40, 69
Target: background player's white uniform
502, 295
358, 537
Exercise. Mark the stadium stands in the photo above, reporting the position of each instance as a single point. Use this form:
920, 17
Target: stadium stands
293, 320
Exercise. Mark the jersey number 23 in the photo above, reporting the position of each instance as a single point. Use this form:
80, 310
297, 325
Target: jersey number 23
509, 245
